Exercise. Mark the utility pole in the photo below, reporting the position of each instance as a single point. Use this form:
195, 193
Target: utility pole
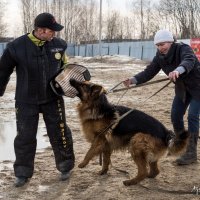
100, 26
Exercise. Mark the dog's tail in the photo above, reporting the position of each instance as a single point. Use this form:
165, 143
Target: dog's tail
177, 143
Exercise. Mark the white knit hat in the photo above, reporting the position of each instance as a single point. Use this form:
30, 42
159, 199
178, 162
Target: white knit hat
163, 36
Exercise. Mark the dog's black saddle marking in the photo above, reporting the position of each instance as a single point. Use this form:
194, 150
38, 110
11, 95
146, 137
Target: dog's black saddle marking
138, 121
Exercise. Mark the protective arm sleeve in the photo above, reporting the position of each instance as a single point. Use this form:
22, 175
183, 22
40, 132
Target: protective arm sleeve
7, 65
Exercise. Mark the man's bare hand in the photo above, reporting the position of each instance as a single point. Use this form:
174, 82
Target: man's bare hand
173, 75
127, 82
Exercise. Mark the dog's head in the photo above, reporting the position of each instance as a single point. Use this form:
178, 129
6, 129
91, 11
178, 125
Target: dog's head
87, 91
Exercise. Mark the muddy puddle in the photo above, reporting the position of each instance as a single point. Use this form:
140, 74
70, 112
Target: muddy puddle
7, 135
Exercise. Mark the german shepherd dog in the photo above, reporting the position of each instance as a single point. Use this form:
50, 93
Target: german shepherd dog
146, 138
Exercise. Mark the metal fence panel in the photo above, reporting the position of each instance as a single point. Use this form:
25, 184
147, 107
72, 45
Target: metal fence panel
2, 47
144, 50
71, 49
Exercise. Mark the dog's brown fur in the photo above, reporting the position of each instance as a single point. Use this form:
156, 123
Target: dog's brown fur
145, 137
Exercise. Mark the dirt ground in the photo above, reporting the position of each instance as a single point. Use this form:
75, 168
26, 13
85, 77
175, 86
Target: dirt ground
174, 182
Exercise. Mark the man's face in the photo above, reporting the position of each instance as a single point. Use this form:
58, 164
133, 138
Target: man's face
164, 47
47, 34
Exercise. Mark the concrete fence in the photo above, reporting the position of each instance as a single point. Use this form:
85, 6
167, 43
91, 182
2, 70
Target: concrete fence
144, 50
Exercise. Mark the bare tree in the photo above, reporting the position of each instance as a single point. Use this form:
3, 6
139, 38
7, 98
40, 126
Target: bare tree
184, 15
28, 14
43, 6
113, 26
2, 23
144, 11
80, 18
128, 27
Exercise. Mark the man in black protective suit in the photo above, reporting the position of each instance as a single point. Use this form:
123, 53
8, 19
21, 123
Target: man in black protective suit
37, 57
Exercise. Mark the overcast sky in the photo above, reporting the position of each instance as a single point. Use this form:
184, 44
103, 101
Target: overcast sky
120, 5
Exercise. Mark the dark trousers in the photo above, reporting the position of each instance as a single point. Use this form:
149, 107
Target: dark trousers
27, 116
178, 111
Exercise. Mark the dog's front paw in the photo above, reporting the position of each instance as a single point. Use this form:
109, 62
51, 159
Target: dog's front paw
82, 165
130, 182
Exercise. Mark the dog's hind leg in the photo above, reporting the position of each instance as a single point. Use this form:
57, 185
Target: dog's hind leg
141, 162
106, 158
154, 171
95, 149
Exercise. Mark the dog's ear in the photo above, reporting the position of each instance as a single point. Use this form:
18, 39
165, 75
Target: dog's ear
97, 90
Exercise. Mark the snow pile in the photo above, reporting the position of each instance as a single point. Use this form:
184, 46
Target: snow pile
122, 59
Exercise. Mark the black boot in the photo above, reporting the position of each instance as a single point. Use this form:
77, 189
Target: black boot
190, 155
65, 176
20, 181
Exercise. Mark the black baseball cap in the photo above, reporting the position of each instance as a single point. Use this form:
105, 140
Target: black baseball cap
47, 20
